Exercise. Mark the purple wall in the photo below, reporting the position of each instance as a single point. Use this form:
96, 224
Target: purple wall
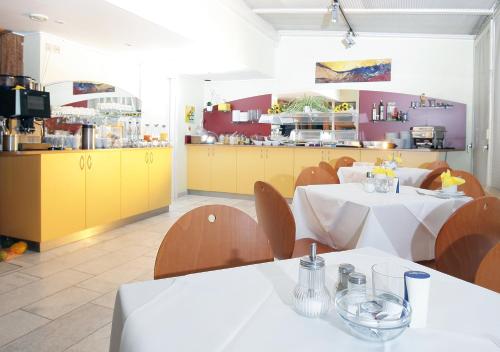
454, 118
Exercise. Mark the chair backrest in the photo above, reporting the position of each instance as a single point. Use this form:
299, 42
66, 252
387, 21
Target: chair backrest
344, 161
276, 219
432, 180
467, 236
435, 165
472, 187
208, 238
315, 176
327, 167
488, 274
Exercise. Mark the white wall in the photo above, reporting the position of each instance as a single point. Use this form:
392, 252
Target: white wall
439, 67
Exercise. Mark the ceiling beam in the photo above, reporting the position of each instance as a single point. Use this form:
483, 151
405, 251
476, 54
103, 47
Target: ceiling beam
352, 11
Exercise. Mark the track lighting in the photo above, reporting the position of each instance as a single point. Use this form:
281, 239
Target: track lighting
334, 9
348, 40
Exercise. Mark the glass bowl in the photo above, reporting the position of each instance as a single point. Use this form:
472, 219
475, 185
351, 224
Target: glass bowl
379, 316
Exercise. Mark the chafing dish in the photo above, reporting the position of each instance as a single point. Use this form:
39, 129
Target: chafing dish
428, 136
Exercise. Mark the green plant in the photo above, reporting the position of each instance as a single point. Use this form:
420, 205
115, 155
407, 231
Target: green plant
316, 103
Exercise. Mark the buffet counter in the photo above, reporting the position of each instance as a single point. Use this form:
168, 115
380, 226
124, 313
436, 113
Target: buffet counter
54, 197
235, 168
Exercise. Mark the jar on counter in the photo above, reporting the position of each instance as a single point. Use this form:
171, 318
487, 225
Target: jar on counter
147, 137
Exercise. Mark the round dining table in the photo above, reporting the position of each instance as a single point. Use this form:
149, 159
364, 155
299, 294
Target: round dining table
408, 176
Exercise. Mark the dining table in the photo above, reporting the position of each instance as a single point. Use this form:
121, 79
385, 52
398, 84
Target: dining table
408, 176
250, 308
344, 216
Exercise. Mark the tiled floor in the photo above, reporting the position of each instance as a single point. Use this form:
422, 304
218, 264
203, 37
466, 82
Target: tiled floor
62, 300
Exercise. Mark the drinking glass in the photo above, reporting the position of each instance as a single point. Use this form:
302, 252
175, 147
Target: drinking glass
389, 277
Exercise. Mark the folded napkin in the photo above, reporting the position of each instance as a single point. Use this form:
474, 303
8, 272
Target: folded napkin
447, 180
383, 171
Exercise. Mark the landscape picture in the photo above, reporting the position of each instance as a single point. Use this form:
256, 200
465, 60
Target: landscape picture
373, 70
91, 88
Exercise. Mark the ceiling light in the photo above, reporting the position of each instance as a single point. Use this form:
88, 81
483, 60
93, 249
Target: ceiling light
128, 44
38, 17
348, 40
334, 9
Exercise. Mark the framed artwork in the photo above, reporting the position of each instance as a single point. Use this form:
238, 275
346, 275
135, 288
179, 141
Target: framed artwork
372, 70
92, 88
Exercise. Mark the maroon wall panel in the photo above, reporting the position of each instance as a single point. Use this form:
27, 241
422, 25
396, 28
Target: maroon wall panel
221, 122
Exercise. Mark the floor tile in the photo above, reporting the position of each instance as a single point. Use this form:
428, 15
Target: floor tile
62, 302
8, 267
60, 334
107, 300
25, 295
14, 280
96, 342
97, 285
17, 324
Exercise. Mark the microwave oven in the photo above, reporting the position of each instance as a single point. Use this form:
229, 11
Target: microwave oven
24, 103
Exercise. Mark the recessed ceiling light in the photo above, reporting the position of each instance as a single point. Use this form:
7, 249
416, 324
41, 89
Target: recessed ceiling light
128, 44
38, 17
59, 21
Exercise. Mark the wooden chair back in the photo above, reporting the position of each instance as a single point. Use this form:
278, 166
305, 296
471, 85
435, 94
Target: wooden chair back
472, 187
315, 176
432, 180
208, 238
328, 167
276, 219
488, 274
467, 236
344, 161
435, 165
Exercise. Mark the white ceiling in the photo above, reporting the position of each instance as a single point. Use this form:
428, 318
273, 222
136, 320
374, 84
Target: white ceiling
440, 17
95, 23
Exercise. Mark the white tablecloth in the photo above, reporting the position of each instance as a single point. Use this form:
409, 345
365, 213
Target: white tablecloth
248, 309
408, 176
345, 217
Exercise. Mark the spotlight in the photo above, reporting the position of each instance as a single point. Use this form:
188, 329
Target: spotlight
348, 40
334, 9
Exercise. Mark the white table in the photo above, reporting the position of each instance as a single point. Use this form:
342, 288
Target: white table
408, 176
345, 217
248, 309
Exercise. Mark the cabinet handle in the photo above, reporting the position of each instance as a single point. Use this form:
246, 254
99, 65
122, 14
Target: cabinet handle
82, 162
146, 158
89, 162
151, 157
267, 153
261, 155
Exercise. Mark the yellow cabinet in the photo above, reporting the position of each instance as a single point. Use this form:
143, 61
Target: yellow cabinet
305, 157
102, 191
160, 179
223, 169
198, 164
250, 168
134, 182
62, 194
279, 169
417, 158
335, 153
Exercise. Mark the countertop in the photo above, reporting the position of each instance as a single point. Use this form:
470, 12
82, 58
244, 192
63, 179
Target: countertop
40, 152
339, 148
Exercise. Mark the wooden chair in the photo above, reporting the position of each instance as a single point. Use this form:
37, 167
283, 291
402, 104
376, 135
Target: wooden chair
277, 221
208, 238
488, 274
471, 187
432, 180
328, 167
344, 161
467, 236
315, 176
435, 165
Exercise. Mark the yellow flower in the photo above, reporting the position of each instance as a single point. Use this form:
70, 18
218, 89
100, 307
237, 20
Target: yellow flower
383, 171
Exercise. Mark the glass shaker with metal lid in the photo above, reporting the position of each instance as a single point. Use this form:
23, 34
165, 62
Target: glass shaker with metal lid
311, 297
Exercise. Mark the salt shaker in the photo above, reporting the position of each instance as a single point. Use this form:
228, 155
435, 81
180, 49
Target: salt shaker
311, 297
417, 287
344, 271
369, 183
357, 282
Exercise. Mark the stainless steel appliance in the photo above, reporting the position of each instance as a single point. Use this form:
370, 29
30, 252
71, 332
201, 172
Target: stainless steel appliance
88, 136
24, 103
9, 142
428, 136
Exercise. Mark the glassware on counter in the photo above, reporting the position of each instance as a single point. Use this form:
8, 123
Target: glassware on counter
389, 277
311, 297
147, 137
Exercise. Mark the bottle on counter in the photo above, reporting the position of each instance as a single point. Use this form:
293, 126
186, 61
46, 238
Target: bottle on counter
164, 133
374, 112
147, 133
381, 111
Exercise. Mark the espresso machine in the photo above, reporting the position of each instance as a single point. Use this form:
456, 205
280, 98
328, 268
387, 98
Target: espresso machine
22, 111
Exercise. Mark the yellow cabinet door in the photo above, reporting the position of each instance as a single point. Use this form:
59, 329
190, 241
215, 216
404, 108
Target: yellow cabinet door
198, 165
305, 157
335, 154
250, 168
279, 169
134, 182
160, 178
223, 169
102, 191
418, 158
62, 194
